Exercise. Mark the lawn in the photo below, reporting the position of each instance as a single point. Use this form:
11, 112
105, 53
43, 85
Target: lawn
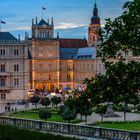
34, 115
135, 126
13, 133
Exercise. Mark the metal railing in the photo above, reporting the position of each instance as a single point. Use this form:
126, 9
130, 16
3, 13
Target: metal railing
71, 129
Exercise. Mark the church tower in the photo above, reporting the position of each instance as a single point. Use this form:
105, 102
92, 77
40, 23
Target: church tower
94, 27
42, 30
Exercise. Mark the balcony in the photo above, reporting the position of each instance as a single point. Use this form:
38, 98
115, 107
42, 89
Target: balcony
45, 81
4, 73
5, 88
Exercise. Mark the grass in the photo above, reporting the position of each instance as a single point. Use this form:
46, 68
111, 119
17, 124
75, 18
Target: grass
12, 133
34, 115
134, 126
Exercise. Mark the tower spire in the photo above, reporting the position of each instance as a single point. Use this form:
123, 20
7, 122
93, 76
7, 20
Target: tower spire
94, 27
95, 10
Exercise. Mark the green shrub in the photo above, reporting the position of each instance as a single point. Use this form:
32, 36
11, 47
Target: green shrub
62, 108
44, 114
68, 115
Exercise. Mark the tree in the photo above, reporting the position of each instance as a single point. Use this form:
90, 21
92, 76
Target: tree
135, 101
56, 100
84, 106
46, 102
35, 100
70, 103
101, 109
118, 37
62, 108
121, 34
68, 115
121, 81
44, 114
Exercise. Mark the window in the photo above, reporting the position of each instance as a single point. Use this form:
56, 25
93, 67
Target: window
16, 52
2, 68
50, 67
40, 55
3, 96
2, 52
50, 76
68, 77
16, 67
2, 82
93, 38
16, 81
87, 66
92, 66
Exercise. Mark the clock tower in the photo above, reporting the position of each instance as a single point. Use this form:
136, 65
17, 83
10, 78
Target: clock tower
94, 27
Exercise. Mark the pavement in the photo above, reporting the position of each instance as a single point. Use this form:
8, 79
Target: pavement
96, 118
90, 119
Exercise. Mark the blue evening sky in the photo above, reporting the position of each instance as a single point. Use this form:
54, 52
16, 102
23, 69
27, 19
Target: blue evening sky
71, 17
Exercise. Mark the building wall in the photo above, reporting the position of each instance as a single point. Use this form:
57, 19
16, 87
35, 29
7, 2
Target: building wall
83, 69
14, 77
45, 64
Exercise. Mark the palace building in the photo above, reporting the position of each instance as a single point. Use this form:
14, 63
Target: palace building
13, 68
45, 62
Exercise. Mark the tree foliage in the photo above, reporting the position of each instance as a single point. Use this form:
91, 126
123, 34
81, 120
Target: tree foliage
101, 109
121, 81
35, 100
121, 34
46, 102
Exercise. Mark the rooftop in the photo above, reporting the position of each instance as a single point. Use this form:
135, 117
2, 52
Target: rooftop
72, 43
6, 36
43, 22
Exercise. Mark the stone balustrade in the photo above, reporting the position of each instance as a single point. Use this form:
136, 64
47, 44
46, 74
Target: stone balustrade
70, 129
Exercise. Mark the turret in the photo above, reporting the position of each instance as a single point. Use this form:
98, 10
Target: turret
94, 27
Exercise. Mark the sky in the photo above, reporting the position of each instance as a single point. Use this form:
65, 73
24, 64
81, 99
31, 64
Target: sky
71, 17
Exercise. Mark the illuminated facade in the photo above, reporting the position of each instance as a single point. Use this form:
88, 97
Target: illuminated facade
44, 62
63, 63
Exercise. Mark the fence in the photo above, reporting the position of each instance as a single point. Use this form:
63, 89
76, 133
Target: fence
70, 129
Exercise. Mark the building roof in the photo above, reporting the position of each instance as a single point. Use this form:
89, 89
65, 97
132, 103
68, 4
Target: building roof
43, 22
72, 43
78, 53
86, 53
6, 36
68, 53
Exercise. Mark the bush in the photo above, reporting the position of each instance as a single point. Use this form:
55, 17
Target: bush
44, 114
68, 115
62, 108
